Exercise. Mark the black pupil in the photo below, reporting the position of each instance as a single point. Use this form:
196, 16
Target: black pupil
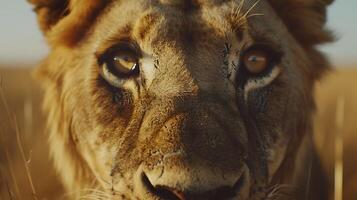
253, 59
123, 64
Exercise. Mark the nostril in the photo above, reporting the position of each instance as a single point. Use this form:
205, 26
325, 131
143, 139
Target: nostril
169, 193
242, 181
161, 191
242, 185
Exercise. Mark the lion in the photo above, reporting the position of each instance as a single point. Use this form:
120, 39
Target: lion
184, 99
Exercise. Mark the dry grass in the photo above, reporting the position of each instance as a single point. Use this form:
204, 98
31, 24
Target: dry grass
336, 131
26, 172
338, 185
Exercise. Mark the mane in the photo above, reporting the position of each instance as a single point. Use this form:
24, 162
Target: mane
306, 21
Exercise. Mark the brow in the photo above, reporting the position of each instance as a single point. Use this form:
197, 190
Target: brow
145, 25
124, 35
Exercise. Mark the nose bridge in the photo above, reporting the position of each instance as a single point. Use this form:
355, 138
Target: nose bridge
195, 87
183, 72
173, 76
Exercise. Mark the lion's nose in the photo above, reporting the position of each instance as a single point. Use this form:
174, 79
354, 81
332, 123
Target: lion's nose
177, 185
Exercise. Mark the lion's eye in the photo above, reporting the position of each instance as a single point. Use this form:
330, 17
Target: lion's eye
259, 65
256, 61
259, 59
118, 64
123, 64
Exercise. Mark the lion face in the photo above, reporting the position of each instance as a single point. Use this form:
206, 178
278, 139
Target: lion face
175, 99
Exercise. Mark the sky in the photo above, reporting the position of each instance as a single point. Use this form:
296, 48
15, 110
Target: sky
21, 41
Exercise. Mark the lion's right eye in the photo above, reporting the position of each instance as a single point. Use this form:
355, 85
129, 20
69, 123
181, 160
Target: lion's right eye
119, 64
256, 61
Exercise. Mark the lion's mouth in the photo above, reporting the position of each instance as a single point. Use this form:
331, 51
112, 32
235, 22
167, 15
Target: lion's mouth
237, 191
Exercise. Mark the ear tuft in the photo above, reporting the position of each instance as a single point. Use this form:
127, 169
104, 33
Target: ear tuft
65, 22
49, 12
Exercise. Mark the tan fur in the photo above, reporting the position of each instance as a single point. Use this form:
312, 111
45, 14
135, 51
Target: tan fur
190, 127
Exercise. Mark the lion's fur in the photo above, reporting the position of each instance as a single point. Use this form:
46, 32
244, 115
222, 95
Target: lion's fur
305, 18
68, 26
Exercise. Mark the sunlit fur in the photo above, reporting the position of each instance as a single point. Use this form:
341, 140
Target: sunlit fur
186, 124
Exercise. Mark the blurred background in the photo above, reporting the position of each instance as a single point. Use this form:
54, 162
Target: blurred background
25, 170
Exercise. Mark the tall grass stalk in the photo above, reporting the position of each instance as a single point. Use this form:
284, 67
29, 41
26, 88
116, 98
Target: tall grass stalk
12, 173
14, 123
340, 111
26, 162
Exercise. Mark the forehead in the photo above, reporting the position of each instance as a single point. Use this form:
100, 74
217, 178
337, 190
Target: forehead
179, 20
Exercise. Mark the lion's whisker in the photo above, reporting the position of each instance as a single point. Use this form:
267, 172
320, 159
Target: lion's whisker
96, 191
251, 8
240, 6
87, 191
278, 190
254, 15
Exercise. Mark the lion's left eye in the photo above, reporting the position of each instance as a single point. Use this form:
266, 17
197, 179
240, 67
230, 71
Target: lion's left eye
259, 59
256, 61
124, 64
259, 65
119, 64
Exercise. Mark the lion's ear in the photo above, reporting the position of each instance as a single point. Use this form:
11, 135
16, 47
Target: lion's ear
305, 19
64, 22
49, 12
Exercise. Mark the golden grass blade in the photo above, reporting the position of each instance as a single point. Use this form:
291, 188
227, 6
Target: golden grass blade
340, 108
3, 99
26, 164
28, 117
12, 173
4, 180
9, 191
19, 143
5, 150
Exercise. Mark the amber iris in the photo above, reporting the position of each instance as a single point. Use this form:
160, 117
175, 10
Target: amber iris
256, 61
124, 63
